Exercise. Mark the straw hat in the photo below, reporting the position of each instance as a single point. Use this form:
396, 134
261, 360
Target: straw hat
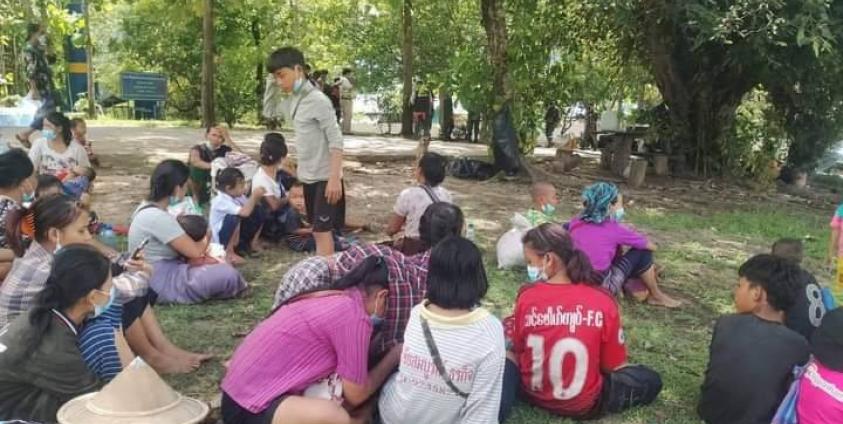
136, 396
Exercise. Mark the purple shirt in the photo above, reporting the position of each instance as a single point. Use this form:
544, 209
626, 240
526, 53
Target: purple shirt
301, 343
600, 242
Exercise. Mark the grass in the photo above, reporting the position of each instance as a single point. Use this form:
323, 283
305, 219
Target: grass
701, 252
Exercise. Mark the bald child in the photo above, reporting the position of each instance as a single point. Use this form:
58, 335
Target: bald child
544, 204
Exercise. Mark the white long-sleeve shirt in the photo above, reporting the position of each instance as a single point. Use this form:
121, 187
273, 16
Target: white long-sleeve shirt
472, 349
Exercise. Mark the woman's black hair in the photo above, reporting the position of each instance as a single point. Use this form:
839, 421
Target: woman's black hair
553, 238
166, 176
15, 168
56, 211
77, 269
457, 278
228, 178
273, 148
46, 182
372, 274
440, 220
195, 226
432, 167
63, 126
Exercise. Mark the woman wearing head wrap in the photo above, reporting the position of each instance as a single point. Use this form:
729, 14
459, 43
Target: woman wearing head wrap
616, 251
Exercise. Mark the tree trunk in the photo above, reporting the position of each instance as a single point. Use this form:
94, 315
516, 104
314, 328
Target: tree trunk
494, 22
446, 115
259, 72
407, 58
89, 54
589, 134
208, 117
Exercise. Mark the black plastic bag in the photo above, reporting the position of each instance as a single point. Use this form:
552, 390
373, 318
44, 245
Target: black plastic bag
505, 142
471, 169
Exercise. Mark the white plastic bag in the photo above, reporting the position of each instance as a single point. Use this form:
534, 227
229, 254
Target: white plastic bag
509, 248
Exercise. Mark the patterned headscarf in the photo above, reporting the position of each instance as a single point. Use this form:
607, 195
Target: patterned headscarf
597, 199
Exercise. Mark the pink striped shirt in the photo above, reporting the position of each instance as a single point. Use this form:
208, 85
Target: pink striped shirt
301, 343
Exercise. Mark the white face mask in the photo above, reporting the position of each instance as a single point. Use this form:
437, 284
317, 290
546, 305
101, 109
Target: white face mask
42, 40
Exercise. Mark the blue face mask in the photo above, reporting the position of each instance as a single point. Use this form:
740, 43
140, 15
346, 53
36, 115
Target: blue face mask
376, 320
549, 209
173, 200
48, 134
28, 197
534, 273
298, 85
98, 310
619, 214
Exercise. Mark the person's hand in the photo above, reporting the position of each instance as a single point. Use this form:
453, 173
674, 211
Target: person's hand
138, 265
333, 192
258, 192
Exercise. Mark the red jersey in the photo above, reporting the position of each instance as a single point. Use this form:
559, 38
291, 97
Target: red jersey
564, 336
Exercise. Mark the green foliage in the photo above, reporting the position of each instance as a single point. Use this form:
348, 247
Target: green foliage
758, 140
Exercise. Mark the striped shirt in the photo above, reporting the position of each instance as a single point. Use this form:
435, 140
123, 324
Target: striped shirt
301, 343
472, 349
98, 346
407, 284
26, 278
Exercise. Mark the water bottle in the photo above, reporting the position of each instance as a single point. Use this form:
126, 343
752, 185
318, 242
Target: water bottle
471, 232
108, 237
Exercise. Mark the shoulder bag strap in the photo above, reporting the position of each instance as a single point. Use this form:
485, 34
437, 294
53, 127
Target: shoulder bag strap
296, 107
437, 360
430, 193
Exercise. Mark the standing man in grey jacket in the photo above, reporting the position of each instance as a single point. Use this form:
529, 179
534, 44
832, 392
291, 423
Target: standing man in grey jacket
319, 146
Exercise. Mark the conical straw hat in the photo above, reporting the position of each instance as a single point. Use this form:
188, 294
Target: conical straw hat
136, 396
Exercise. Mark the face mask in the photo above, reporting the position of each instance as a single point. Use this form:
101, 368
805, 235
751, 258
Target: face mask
48, 134
534, 273
173, 200
42, 40
98, 310
548, 209
376, 320
619, 214
58, 246
28, 197
298, 85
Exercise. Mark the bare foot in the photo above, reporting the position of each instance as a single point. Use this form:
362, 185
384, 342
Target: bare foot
175, 365
664, 300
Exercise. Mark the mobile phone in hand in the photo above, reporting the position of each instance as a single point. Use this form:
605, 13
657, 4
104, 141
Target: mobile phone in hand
136, 253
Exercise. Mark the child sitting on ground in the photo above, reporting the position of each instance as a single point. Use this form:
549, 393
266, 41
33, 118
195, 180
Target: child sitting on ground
79, 130
545, 202
235, 223
79, 181
752, 354
413, 201
468, 338
598, 233
196, 227
808, 310
299, 233
569, 366
273, 153
821, 388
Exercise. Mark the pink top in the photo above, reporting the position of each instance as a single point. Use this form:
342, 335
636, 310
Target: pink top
301, 343
820, 395
837, 224
600, 242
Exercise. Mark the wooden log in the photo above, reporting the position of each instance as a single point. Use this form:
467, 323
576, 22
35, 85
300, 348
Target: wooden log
661, 164
637, 172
